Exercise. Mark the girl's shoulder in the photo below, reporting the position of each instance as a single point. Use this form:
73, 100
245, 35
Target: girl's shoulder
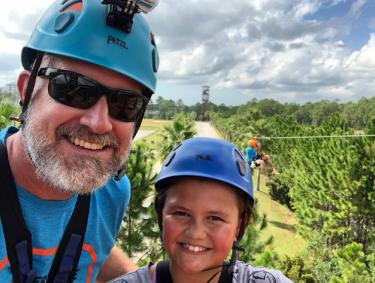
141, 275
246, 273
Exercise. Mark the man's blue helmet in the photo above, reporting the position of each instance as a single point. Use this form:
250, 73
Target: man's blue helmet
79, 29
209, 158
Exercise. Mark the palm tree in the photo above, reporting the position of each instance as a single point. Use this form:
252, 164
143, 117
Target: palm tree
182, 128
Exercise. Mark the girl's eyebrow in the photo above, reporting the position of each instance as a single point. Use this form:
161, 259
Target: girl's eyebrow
177, 206
218, 212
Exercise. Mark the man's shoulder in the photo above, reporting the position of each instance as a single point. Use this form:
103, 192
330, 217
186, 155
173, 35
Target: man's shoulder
8, 130
244, 272
122, 184
115, 190
114, 194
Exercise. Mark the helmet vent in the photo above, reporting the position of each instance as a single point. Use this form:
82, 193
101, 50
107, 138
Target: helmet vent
63, 21
240, 161
169, 159
241, 167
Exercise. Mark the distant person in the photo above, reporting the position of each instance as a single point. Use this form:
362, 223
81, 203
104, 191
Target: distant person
89, 72
204, 203
256, 158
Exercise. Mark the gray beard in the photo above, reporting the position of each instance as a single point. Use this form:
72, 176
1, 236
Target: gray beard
83, 175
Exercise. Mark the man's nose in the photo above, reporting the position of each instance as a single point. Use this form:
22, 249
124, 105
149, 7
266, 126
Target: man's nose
97, 117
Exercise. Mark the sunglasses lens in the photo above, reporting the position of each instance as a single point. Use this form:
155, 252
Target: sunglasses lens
75, 90
125, 106
72, 90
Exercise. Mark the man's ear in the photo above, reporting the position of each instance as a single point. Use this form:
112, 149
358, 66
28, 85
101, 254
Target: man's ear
22, 81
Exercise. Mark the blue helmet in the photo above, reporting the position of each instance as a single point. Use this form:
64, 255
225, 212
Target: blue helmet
209, 158
78, 29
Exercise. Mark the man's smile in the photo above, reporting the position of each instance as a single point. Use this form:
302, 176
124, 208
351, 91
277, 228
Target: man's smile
85, 144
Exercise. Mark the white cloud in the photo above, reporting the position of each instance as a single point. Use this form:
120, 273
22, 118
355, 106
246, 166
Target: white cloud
364, 59
272, 50
356, 7
265, 48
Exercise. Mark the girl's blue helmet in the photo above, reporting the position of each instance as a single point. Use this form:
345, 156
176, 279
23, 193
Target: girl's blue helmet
78, 29
209, 158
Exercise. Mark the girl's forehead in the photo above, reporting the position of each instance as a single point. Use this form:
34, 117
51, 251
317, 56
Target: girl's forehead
202, 193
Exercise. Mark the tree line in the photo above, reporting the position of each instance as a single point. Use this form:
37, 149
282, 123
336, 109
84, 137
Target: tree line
328, 183
357, 113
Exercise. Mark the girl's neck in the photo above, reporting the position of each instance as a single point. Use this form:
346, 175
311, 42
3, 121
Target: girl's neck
179, 276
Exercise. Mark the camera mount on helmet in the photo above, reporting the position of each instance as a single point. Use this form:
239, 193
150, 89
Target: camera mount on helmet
121, 12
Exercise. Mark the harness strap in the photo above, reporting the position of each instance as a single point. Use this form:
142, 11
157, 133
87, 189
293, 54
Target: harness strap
226, 275
163, 273
18, 237
65, 263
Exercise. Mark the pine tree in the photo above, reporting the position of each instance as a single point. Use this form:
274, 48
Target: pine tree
139, 226
333, 190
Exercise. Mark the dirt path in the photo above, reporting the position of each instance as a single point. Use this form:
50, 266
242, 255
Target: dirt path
204, 129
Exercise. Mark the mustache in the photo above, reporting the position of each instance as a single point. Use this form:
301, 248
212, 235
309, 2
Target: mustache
83, 132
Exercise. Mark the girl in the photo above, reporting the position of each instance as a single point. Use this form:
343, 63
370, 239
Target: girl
204, 201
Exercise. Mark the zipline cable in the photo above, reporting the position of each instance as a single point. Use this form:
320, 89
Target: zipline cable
315, 137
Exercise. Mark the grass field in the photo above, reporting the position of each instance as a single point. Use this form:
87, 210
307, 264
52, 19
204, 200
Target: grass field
155, 126
151, 124
281, 223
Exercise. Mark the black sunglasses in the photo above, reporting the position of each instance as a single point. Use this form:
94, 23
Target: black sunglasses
75, 90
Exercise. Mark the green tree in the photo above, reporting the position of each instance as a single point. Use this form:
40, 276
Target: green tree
352, 264
332, 188
250, 242
7, 109
181, 128
167, 109
139, 226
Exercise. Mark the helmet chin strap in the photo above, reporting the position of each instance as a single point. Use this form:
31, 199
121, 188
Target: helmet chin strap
30, 86
230, 266
137, 124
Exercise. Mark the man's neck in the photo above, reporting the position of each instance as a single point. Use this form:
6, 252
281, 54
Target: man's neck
24, 172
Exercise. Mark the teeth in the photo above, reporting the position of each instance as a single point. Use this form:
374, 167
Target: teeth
84, 144
194, 249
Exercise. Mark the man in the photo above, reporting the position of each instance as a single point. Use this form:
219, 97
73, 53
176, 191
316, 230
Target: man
258, 159
89, 72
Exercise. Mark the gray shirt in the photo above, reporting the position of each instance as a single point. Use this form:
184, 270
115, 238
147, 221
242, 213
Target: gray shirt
243, 273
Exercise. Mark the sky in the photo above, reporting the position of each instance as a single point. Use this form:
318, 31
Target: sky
288, 50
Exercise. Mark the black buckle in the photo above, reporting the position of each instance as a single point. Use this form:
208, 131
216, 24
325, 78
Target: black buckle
120, 13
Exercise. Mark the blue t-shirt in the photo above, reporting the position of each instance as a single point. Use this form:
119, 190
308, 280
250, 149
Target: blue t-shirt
46, 220
250, 153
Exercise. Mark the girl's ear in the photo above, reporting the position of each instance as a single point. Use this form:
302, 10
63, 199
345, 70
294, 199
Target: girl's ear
22, 80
